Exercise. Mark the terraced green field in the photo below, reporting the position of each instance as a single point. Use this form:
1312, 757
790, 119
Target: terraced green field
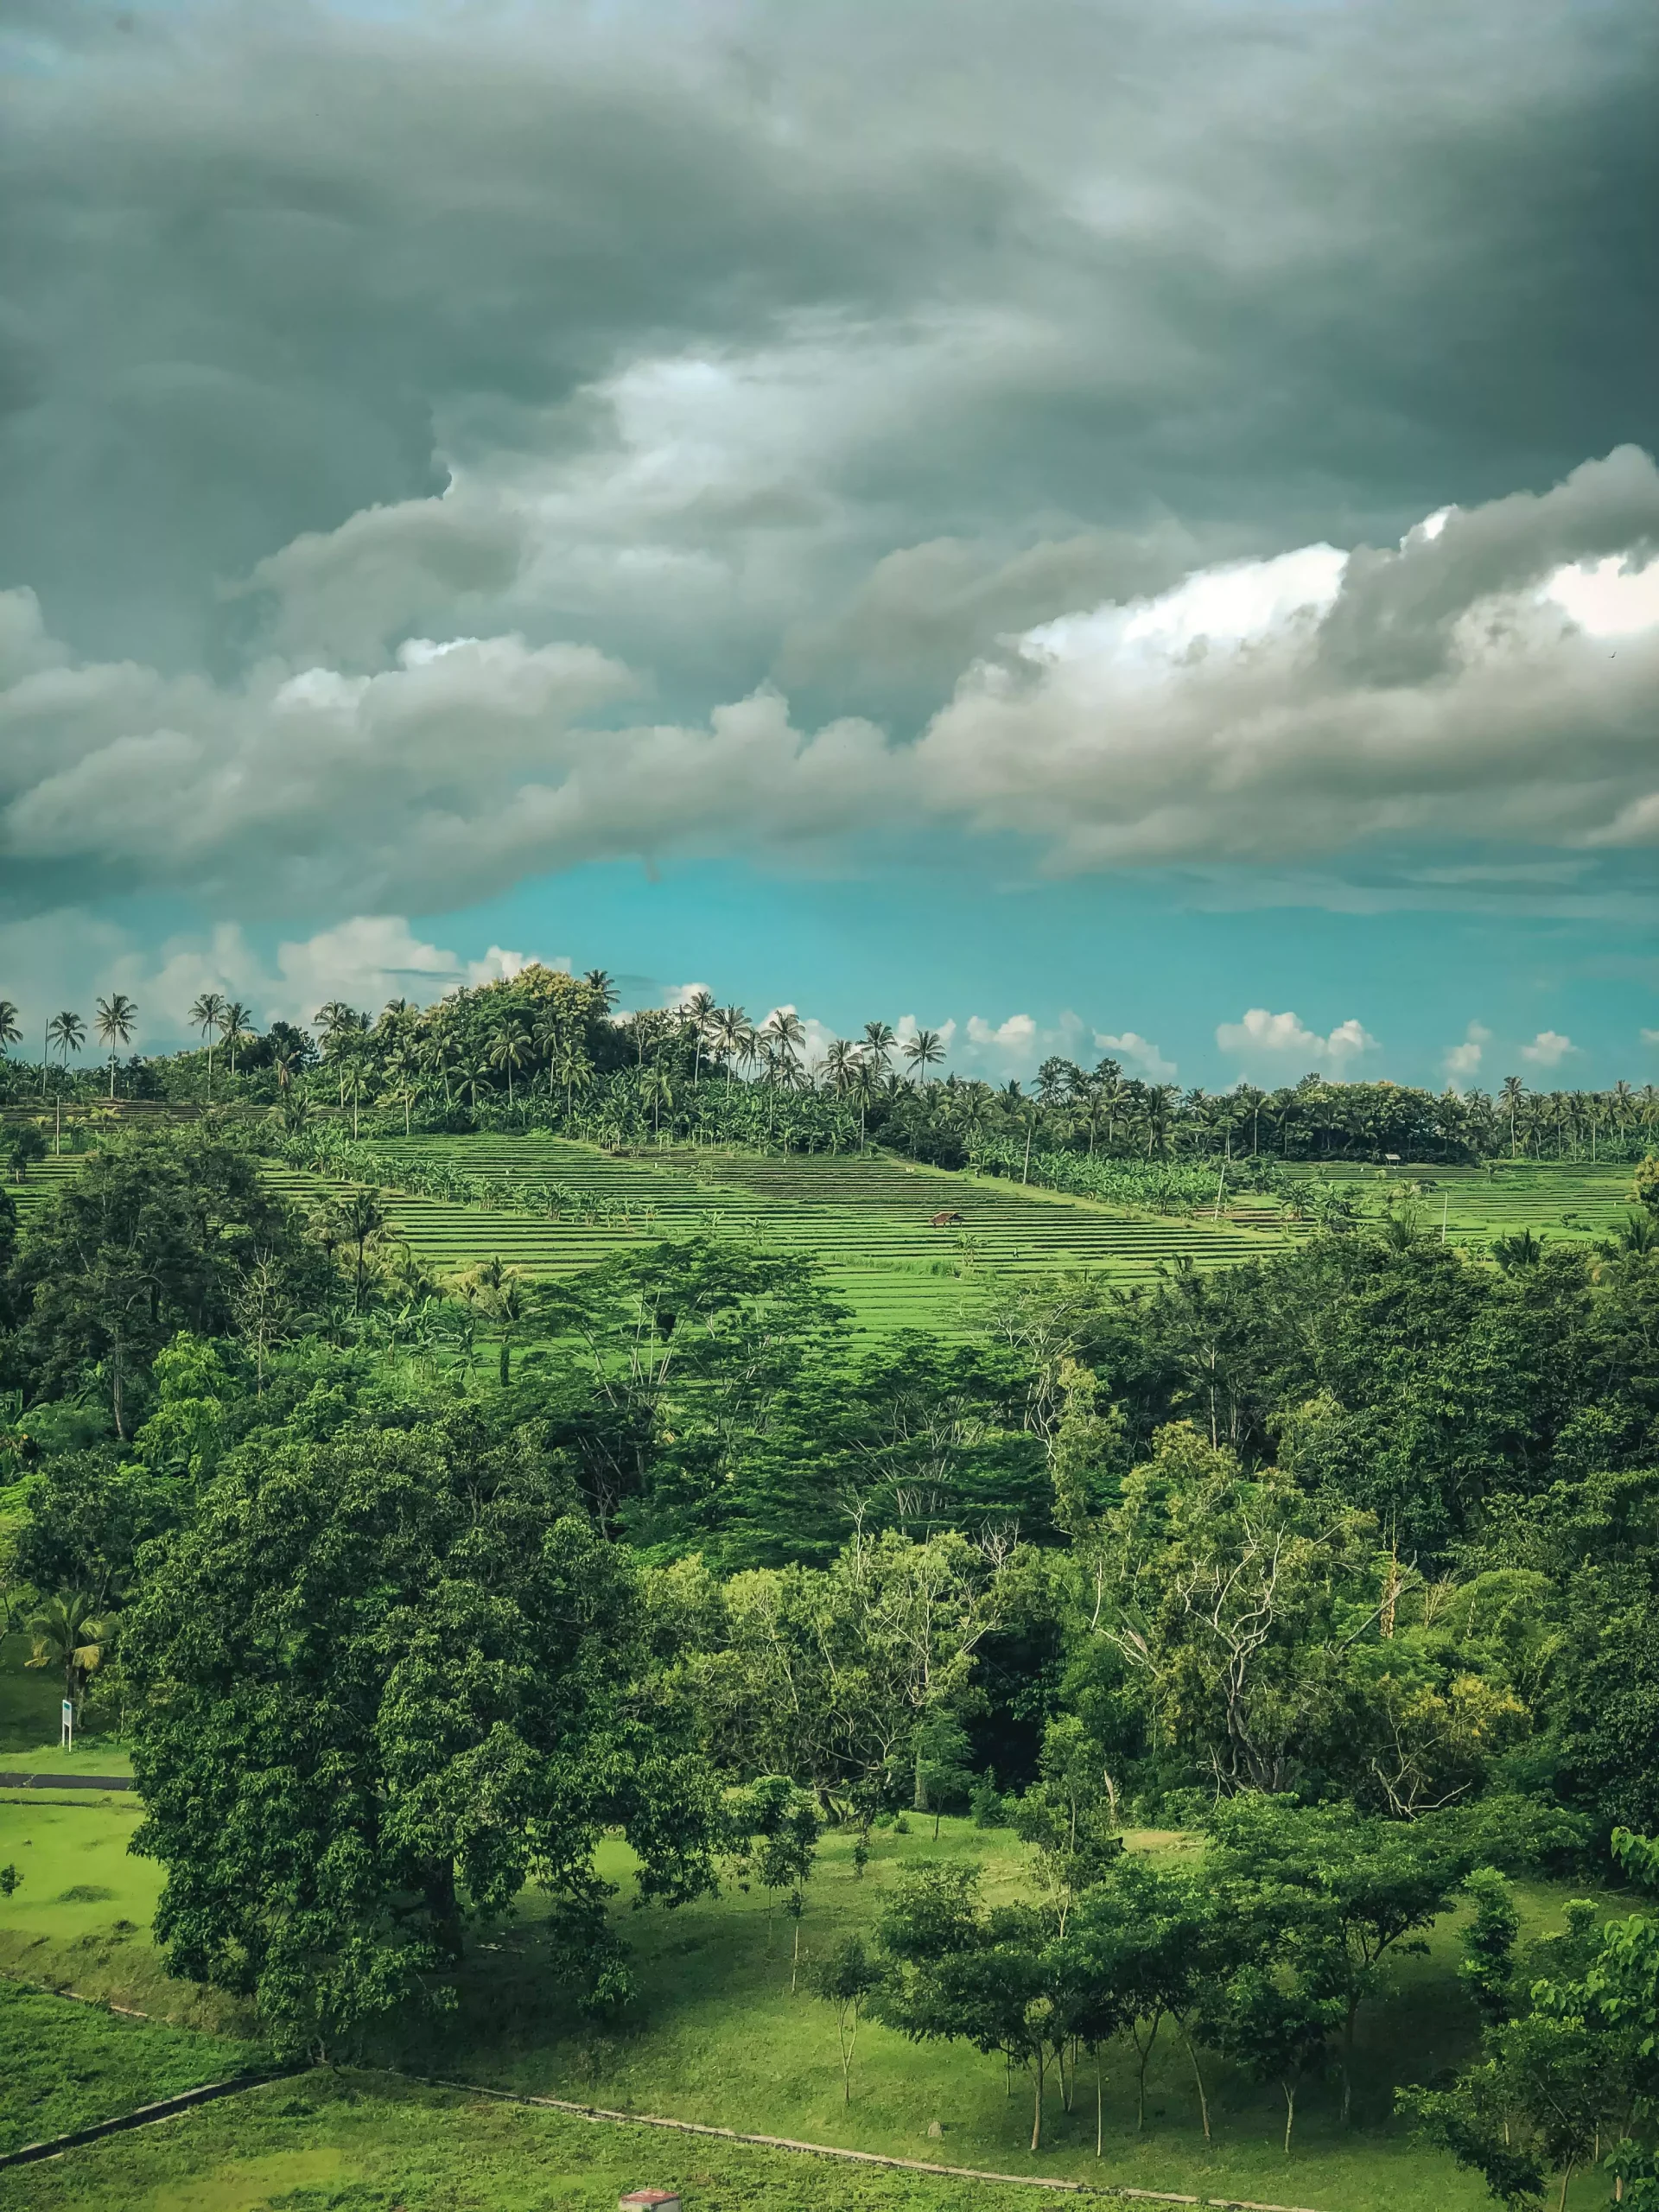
868, 1222
1571, 1203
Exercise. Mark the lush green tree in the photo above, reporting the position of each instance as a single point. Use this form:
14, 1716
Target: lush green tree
961, 1972
1069, 1816
89, 1513
1488, 1967
941, 1764
380, 1682
1230, 1598
1277, 2024
826, 1676
24, 1146
772, 1830
157, 1233
1154, 1942
1354, 1892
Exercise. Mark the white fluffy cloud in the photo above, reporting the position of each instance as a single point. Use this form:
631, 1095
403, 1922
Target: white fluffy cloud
1463, 1061
1263, 1036
365, 961
1139, 1052
1460, 685
1548, 1049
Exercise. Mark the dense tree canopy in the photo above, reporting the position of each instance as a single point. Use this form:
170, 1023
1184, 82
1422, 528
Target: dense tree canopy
381, 1683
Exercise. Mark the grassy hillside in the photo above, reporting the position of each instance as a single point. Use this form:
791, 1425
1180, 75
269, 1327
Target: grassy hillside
716, 2034
356, 2142
67, 2066
868, 1222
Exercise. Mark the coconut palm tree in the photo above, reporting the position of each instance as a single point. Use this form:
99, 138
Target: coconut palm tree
734, 1035
1512, 1097
10, 1033
571, 1068
362, 1222
115, 1019
925, 1050
511, 1048
68, 1032
879, 1038
786, 1029
603, 987
71, 1632
205, 1016
656, 1089
235, 1025
839, 1062
696, 1014
866, 1090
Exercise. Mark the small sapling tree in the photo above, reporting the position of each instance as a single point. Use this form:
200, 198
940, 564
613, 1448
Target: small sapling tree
848, 1978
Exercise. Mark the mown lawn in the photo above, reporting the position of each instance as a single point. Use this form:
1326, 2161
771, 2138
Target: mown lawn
716, 2036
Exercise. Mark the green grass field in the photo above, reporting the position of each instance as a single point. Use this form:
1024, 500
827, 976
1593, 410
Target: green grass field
66, 2065
716, 2036
356, 2142
1568, 1203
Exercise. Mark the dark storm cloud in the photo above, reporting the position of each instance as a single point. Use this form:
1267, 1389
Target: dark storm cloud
643, 356
1301, 270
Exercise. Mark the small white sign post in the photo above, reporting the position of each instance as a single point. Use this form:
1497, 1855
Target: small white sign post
68, 1741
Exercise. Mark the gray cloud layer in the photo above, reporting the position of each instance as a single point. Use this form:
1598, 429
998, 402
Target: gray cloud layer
672, 353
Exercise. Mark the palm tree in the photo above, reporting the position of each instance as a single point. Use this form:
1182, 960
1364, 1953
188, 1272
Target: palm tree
434, 1054
10, 1033
734, 1035
284, 1058
510, 1048
234, 1022
866, 1090
70, 1632
205, 1016
839, 1062
469, 1075
603, 987
658, 1088
925, 1050
879, 1038
363, 1222
786, 1029
571, 1067
117, 1017
1510, 1096
1159, 1098
68, 1032
696, 1014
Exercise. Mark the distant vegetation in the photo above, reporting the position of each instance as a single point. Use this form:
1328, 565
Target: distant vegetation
546, 1052
1262, 1566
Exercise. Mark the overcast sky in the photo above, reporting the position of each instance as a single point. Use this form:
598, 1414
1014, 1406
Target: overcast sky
1111, 527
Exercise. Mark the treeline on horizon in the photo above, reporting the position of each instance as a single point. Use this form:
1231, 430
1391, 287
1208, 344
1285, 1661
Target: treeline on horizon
1347, 1556
544, 1050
